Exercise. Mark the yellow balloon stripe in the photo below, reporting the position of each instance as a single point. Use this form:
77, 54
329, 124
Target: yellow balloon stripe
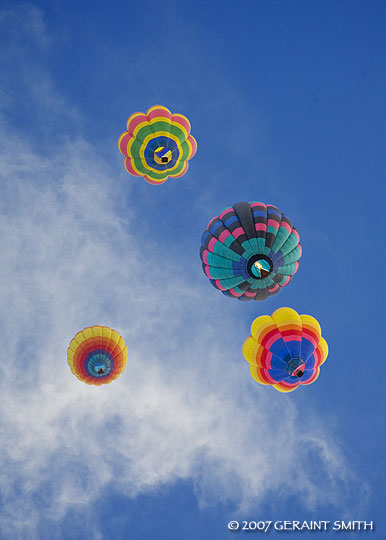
255, 372
323, 348
261, 325
287, 318
310, 323
252, 351
284, 389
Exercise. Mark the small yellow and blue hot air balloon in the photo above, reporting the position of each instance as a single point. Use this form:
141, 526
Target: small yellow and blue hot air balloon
97, 355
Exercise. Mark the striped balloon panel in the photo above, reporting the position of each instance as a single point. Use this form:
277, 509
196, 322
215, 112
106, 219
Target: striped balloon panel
281, 339
97, 355
235, 239
157, 145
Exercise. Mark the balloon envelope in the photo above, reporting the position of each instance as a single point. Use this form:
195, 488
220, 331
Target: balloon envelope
157, 145
97, 355
285, 350
250, 251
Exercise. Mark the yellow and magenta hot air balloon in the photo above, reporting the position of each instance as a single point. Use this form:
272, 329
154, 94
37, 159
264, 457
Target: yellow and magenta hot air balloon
285, 349
157, 145
97, 355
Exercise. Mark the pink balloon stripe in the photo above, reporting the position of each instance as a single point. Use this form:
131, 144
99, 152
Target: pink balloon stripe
260, 204
314, 376
311, 337
224, 212
129, 168
123, 143
295, 232
292, 337
273, 289
249, 294
219, 286
207, 272
152, 181
236, 293
183, 121
134, 121
193, 143
224, 235
211, 244
159, 112
267, 343
286, 226
265, 359
238, 232
266, 376
273, 223
285, 384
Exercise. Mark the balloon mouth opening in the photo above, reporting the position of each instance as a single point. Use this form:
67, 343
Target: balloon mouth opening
296, 367
100, 369
259, 266
162, 155
99, 365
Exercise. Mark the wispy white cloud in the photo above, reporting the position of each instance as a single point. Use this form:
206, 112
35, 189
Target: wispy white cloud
24, 22
185, 408
27, 89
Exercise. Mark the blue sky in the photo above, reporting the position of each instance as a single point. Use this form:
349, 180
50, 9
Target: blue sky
287, 103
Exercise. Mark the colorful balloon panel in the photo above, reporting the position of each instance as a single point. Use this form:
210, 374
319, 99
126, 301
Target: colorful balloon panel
157, 145
285, 349
97, 355
250, 251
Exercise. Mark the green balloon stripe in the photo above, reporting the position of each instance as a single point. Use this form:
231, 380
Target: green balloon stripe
290, 244
142, 167
281, 238
217, 261
154, 129
287, 270
230, 283
224, 251
293, 256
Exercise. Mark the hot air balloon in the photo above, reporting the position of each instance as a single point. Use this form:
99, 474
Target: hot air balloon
285, 350
250, 251
157, 145
97, 355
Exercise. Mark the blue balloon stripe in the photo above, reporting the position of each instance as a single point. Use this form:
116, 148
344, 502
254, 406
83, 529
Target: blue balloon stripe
99, 358
230, 220
152, 146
